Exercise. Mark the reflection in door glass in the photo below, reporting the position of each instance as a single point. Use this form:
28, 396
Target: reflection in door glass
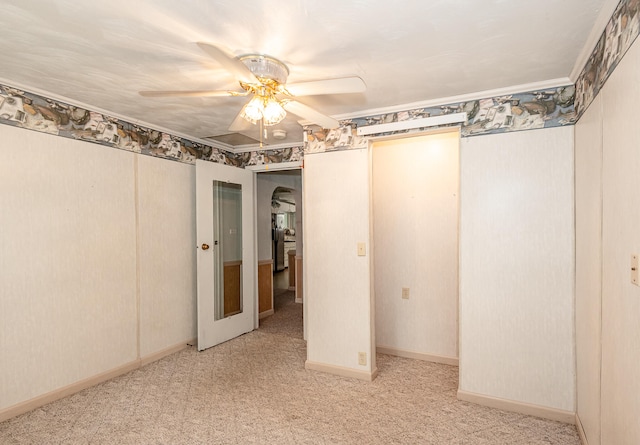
227, 249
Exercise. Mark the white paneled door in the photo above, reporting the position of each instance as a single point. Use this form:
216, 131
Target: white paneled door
225, 217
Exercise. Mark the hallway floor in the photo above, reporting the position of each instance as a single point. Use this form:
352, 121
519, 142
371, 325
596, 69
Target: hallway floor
281, 280
255, 390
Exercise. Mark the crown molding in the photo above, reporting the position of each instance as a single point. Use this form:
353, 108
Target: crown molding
209, 142
604, 16
294, 165
552, 83
523, 88
256, 147
129, 119
412, 124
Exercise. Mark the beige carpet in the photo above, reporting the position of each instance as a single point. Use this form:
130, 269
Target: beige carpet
255, 390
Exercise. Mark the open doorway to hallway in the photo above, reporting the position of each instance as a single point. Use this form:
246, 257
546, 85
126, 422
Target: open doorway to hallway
279, 229
283, 236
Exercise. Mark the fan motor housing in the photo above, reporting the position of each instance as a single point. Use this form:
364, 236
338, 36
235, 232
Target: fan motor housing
266, 67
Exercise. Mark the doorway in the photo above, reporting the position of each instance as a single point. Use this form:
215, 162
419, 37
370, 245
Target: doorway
283, 237
415, 196
279, 233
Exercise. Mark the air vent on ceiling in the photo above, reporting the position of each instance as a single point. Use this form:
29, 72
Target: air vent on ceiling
234, 139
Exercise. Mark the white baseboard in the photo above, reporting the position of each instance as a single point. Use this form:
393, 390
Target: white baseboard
519, 407
417, 355
342, 371
298, 300
264, 314
65, 391
166, 351
581, 433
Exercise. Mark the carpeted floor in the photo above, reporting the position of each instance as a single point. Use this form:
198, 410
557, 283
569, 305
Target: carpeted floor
254, 390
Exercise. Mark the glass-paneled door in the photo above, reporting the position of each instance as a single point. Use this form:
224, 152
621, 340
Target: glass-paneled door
226, 260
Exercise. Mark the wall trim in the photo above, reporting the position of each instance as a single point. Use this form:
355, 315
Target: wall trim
412, 124
341, 371
604, 16
65, 391
264, 314
514, 89
445, 360
299, 280
119, 132
69, 101
276, 166
581, 433
253, 147
519, 407
155, 356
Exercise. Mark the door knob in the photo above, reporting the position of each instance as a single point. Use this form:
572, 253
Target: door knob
205, 247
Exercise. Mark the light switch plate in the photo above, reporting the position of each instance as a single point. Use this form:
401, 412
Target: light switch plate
362, 249
405, 293
634, 270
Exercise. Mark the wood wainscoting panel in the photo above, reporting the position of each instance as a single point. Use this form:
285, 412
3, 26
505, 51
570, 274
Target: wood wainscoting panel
265, 287
298, 278
232, 296
292, 269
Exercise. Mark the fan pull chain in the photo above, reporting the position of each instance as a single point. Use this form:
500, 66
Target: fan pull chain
261, 132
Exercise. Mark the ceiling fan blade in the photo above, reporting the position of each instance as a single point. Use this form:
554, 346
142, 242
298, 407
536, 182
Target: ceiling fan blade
239, 123
310, 114
233, 65
327, 86
203, 93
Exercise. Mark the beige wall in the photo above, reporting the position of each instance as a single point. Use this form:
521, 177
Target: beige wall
517, 268
620, 239
588, 171
167, 253
613, 117
415, 229
72, 257
337, 285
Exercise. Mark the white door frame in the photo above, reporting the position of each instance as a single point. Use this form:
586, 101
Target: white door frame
280, 166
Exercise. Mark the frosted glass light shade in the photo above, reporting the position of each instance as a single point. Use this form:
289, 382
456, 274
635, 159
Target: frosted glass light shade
253, 110
273, 113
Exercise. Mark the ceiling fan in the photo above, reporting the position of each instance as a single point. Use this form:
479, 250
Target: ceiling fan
264, 79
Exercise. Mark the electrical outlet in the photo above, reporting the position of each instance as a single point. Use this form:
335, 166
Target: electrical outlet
405, 293
362, 358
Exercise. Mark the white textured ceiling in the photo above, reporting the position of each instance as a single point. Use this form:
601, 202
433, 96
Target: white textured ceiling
101, 53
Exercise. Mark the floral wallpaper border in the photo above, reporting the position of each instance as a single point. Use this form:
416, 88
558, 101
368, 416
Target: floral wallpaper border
524, 111
31, 111
619, 34
515, 112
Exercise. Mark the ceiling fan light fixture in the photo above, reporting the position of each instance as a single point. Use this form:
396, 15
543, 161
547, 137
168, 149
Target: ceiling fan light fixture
266, 67
252, 112
273, 113
267, 108
265, 78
